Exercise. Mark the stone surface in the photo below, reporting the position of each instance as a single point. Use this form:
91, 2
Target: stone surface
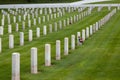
34, 60
66, 46
47, 55
30, 35
38, 32
15, 66
0, 45
45, 30
83, 35
72, 42
21, 38
11, 41
58, 50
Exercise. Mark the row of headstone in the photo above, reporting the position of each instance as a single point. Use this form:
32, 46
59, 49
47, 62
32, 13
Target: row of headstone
34, 60
69, 21
34, 69
30, 35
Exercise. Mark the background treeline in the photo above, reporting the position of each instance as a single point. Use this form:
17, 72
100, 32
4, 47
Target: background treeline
34, 1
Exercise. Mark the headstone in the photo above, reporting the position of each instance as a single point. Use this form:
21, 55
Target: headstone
60, 24
58, 50
21, 38
66, 46
72, 42
11, 41
1, 30
15, 66
14, 19
51, 15
23, 25
97, 26
30, 35
83, 35
55, 15
0, 45
17, 28
78, 35
29, 23
34, 60
38, 32
64, 23
39, 20
87, 32
34, 21
47, 55
48, 17
91, 30
68, 21
9, 29
8, 20
19, 18
55, 27
44, 30
43, 18
3, 22
50, 28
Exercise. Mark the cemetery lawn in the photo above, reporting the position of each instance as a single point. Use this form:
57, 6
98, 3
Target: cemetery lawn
97, 59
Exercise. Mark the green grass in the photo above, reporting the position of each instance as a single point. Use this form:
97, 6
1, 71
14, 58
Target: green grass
97, 59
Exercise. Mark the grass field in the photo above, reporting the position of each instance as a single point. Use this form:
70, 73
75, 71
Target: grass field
97, 59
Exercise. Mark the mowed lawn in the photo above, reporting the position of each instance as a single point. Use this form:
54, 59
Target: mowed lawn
97, 59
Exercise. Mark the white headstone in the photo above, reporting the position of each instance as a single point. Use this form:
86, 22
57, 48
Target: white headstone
23, 25
50, 28
55, 15
29, 23
91, 30
72, 42
19, 18
3, 22
64, 23
48, 17
21, 38
47, 55
66, 46
55, 27
15, 66
38, 32
1, 30
44, 30
39, 20
60, 24
11, 41
43, 18
58, 50
97, 26
34, 21
9, 29
30, 35
33, 60
68, 21
14, 19
17, 27
0, 45
87, 32
83, 35
78, 36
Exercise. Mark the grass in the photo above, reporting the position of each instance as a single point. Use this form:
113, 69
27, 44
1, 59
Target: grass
97, 59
